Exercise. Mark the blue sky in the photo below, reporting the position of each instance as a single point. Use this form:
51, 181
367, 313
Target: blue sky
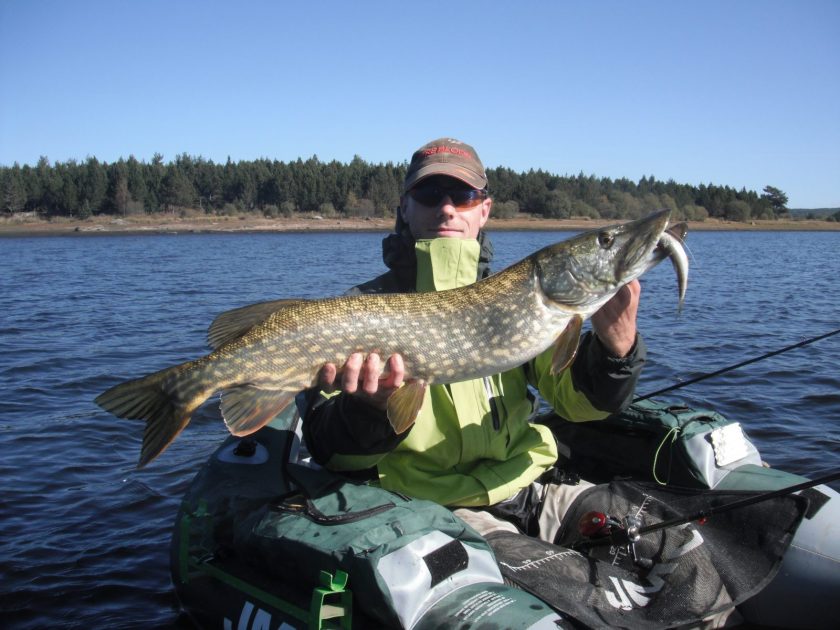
738, 93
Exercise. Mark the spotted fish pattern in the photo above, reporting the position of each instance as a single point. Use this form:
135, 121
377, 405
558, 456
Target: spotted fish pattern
264, 354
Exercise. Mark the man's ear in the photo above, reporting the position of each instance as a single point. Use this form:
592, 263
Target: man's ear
485, 211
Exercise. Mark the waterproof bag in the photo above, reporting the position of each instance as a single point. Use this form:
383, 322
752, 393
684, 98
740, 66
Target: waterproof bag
669, 443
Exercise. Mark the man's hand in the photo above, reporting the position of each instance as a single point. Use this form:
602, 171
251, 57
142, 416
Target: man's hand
615, 321
364, 377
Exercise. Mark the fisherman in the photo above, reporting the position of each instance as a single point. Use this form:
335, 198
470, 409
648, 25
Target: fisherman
472, 447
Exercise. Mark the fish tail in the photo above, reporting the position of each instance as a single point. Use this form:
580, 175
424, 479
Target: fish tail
162, 400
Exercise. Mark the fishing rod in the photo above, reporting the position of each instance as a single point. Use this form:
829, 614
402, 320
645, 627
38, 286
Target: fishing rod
703, 377
610, 530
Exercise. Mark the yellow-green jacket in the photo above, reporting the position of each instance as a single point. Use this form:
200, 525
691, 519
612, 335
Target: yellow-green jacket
472, 444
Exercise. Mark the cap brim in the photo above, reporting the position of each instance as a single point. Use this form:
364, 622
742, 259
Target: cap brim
471, 178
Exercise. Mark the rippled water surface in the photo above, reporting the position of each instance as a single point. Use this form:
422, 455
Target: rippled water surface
85, 535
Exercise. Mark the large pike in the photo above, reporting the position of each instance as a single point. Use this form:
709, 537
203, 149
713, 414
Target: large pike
265, 353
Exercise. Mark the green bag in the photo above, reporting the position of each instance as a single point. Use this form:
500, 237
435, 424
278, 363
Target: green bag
403, 554
264, 541
669, 443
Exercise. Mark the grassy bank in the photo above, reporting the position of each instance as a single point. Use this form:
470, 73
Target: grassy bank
156, 224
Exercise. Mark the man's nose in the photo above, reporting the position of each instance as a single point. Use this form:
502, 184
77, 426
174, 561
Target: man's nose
446, 205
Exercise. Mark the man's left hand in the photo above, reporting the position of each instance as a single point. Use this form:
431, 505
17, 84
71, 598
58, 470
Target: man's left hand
615, 321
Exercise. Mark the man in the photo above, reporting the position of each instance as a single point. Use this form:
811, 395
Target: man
472, 446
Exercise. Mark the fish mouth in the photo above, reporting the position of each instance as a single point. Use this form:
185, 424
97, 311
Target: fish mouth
583, 273
655, 241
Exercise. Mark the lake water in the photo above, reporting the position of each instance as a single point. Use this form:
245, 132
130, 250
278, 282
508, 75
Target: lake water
85, 535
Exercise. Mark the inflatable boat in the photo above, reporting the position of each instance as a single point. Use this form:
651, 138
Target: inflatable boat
686, 525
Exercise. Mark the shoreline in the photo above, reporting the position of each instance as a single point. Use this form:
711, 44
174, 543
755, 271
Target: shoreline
107, 225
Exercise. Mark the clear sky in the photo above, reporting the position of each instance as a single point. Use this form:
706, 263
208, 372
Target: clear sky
737, 93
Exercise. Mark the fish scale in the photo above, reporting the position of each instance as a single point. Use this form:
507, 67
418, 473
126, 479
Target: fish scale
265, 353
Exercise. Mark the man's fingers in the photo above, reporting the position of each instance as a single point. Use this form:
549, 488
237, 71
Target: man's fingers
326, 377
370, 374
394, 373
362, 375
350, 372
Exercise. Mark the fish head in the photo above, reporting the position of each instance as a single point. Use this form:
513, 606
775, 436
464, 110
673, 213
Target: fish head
582, 273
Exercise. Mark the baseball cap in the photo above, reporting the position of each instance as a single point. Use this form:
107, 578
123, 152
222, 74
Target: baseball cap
446, 156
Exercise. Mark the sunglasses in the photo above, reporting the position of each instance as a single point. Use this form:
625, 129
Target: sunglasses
431, 194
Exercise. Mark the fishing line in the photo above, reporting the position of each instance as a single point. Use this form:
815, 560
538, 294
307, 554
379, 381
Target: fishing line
726, 507
703, 377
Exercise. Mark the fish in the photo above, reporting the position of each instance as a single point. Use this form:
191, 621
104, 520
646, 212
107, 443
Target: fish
264, 354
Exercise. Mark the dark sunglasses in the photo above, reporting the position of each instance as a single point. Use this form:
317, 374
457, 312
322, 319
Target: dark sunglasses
431, 194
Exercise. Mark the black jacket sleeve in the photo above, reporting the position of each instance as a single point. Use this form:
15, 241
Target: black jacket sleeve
608, 382
344, 433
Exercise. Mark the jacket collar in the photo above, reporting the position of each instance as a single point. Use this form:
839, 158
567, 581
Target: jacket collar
398, 253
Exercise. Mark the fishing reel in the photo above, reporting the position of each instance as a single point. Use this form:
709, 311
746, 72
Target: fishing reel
598, 528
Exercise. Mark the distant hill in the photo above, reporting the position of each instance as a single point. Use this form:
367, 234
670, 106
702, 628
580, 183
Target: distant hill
813, 213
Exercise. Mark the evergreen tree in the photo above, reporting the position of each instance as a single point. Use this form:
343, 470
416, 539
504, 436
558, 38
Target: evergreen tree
355, 177
178, 191
776, 199
503, 183
384, 190
14, 191
47, 187
69, 196
155, 174
357, 188
137, 187
121, 195
93, 184
533, 192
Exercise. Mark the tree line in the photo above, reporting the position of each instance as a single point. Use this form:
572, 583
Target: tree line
189, 184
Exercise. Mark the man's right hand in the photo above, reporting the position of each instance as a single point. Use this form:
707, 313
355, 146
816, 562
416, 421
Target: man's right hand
364, 377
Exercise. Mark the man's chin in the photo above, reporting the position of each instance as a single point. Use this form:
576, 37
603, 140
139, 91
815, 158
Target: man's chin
441, 233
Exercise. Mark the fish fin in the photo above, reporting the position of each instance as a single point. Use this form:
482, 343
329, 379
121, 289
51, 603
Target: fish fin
566, 345
247, 408
404, 405
232, 324
147, 398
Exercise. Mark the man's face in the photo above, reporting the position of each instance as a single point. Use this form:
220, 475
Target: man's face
444, 207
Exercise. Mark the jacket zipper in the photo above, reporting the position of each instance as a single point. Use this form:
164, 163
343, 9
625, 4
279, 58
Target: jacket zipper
494, 409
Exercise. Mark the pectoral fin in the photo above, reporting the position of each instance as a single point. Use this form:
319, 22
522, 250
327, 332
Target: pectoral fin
404, 405
566, 345
247, 408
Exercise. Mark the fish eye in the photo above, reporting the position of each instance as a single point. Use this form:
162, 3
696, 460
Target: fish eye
606, 239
